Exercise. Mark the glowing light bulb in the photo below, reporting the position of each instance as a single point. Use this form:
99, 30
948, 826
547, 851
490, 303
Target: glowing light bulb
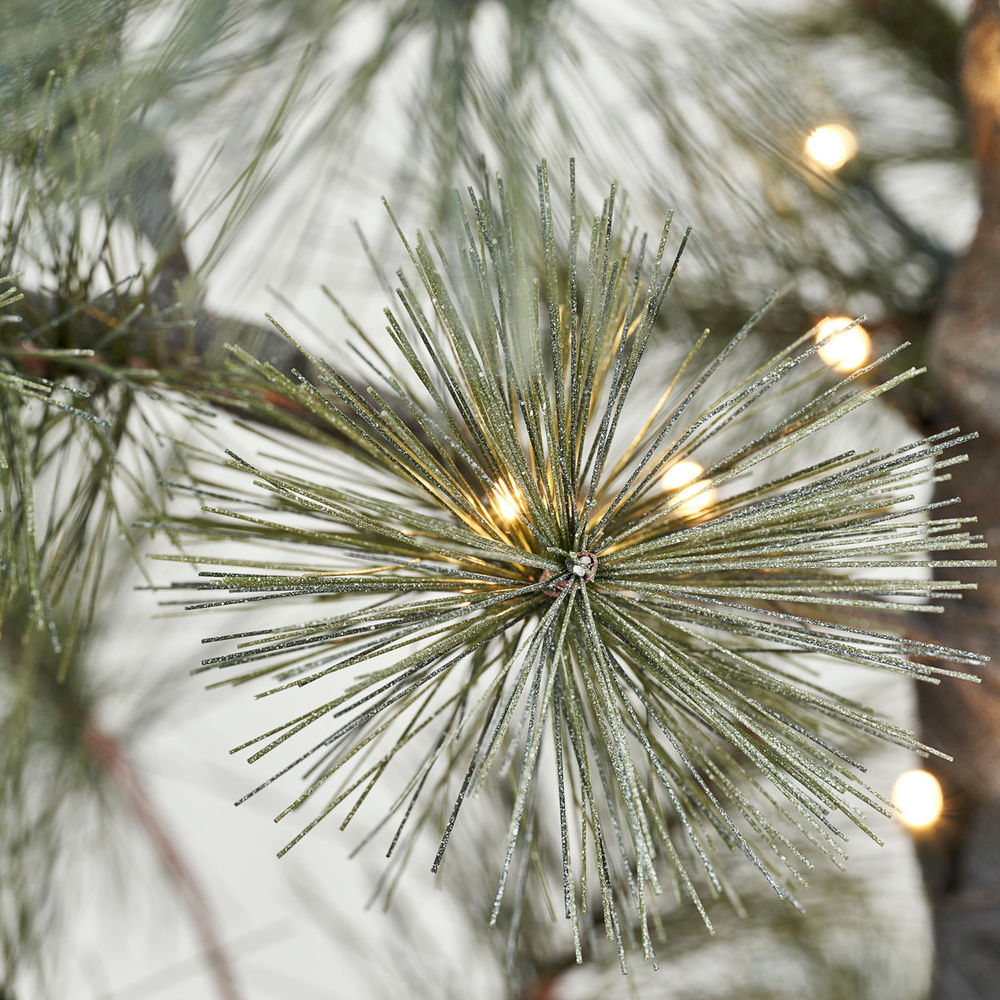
831, 146
918, 797
506, 502
846, 351
696, 494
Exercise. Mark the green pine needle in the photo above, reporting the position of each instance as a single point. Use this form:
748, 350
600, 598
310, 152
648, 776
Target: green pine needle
524, 597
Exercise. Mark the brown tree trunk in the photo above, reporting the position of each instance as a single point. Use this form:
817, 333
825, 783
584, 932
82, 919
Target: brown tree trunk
961, 857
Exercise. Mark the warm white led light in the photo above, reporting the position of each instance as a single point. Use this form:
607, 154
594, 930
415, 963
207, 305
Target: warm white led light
918, 797
846, 351
696, 498
680, 474
831, 146
506, 503
696, 494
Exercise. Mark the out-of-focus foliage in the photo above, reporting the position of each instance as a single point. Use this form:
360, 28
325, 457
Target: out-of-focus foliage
699, 106
99, 338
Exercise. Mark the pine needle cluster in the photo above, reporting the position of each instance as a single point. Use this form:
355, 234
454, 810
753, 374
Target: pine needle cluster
523, 587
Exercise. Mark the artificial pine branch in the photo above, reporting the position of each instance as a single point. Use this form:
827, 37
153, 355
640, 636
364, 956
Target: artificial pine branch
522, 597
67, 408
84, 181
91, 357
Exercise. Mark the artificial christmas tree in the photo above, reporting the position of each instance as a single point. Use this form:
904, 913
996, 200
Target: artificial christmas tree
102, 371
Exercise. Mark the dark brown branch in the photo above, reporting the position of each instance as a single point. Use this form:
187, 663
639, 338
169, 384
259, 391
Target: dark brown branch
961, 856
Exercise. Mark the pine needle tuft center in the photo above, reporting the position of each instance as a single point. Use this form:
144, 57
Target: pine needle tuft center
580, 568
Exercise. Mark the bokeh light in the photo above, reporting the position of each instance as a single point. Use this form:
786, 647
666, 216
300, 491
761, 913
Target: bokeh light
831, 146
680, 474
683, 479
918, 797
847, 351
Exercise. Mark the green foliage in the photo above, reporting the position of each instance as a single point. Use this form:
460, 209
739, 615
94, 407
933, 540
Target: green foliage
91, 349
79, 449
700, 105
93, 346
520, 595
52, 786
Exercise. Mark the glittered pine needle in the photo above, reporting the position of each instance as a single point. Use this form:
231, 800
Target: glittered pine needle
616, 616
